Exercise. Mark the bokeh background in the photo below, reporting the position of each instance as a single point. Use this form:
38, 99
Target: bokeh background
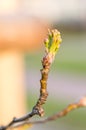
67, 79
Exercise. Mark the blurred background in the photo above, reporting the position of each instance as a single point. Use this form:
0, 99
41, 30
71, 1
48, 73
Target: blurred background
67, 79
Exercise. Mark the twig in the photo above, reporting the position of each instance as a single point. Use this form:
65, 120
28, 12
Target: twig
52, 44
64, 112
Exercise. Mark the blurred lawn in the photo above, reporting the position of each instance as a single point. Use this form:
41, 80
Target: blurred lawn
70, 58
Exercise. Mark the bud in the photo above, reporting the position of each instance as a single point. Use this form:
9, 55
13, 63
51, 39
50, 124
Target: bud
52, 43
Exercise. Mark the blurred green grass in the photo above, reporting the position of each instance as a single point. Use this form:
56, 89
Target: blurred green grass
70, 58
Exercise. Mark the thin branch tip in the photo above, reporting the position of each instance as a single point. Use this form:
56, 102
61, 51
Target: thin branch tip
52, 44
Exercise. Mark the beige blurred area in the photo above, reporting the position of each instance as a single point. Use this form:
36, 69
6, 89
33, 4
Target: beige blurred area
19, 33
22, 33
19, 30
8, 6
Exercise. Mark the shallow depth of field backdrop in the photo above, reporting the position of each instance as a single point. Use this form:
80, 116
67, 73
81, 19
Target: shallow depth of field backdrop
67, 79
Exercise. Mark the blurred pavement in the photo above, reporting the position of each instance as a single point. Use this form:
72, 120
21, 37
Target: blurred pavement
60, 85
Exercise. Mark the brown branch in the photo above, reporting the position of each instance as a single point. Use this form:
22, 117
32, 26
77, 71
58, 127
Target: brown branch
37, 109
46, 62
64, 112
52, 44
43, 88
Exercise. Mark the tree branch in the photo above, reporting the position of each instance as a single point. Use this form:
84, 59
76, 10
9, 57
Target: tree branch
52, 44
25, 120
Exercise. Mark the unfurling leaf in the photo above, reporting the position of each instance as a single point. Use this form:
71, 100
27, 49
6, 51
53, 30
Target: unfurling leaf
52, 43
